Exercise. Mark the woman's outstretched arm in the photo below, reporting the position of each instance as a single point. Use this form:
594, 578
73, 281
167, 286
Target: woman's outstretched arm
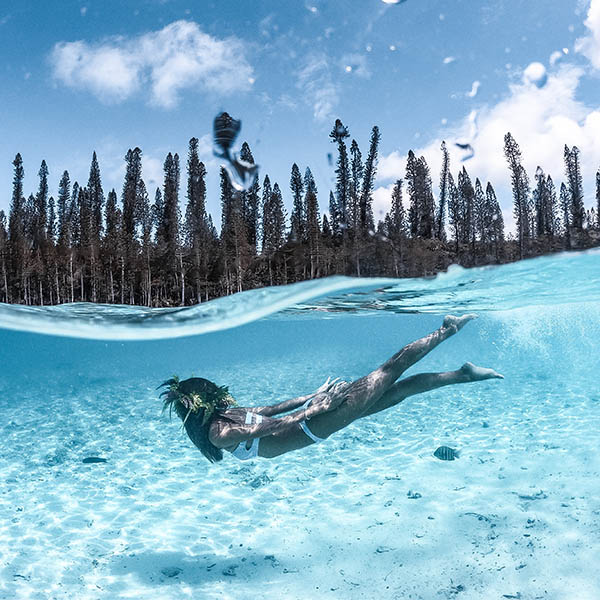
281, 407
228, 432
293, 403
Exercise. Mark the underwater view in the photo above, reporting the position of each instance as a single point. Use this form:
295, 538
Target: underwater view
103, 496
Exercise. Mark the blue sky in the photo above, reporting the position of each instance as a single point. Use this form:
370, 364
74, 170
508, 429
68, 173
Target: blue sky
82, 76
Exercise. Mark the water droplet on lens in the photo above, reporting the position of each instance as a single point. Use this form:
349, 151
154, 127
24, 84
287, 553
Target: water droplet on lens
468, 150
536, 73
474, 89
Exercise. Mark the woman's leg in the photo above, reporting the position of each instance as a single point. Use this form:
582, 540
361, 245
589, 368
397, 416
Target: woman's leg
425, 382
360, 395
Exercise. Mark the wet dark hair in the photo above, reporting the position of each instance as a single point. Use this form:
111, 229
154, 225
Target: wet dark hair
197, 401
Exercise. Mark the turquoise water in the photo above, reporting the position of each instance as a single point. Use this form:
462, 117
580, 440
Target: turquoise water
370, 513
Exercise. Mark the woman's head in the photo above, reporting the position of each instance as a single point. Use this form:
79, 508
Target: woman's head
196, 401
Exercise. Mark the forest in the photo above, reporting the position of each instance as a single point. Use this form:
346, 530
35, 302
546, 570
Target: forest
88, 246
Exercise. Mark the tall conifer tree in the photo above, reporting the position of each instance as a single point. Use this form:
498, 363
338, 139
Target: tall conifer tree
298, 218
441, 215
520, 187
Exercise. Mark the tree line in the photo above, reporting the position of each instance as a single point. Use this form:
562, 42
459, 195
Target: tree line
84, 245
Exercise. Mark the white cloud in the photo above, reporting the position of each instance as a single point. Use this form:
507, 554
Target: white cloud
382, 201
205, 146
315, 81
589, 45
391, 166
109, 72
176, 57
152, 173
541, 120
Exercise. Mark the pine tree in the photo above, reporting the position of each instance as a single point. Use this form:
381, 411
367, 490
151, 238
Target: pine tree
112, 242
466, 202
397, 219
313, 229
520, 186
395, 226
133, 174
298, 218
412, 179
51, 224
39, 210
196, 228
277, 218
237, 251
85, 251
338, 134
544, 198
17, 222
172, 257
441, 216
146, 222
251, 204
335, 217
356, 178
273, 223
566, 205
74, 237
96, 207
455, 211
575, 187
480, 215
366, 195
64, 196
496, 220
421, 214
96, 193
266, 223
551, 219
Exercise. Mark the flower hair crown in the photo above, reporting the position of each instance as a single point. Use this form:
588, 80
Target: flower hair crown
194, 401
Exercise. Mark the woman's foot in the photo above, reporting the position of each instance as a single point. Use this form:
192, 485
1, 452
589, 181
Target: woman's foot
457, 323
474, 373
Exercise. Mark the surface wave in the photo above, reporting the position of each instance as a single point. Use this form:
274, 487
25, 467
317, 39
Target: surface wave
551, 280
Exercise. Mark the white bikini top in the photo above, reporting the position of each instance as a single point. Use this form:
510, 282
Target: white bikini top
241, 451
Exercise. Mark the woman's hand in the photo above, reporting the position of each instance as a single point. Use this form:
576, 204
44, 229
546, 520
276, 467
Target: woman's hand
328, 386
328, 399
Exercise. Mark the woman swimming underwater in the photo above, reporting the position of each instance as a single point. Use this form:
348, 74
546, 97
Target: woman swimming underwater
214, 423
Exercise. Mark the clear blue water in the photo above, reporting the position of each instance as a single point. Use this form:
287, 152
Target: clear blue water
518, 514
